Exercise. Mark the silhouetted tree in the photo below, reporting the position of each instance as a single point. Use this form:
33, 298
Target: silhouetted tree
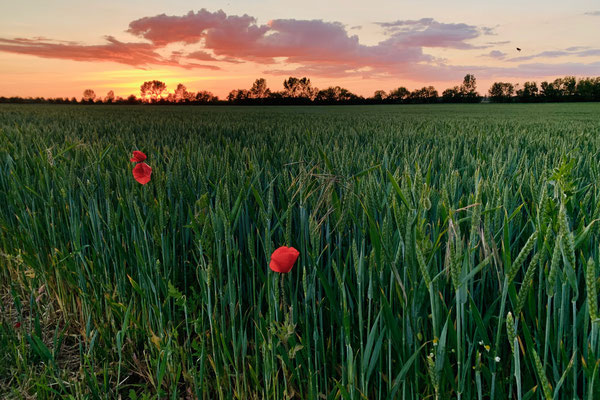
131, 99
588, 89
181, 94
259, 89
426, 94
501, 92
548, 92
335, 94
152, 90
398, 95
453, 95
468, 90
567, 86
238, 95
469, 84
529, 93
110, 97
89, 95
299, 88
205, 97
380, 95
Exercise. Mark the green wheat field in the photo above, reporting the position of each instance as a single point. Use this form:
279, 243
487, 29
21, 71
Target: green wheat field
446, 251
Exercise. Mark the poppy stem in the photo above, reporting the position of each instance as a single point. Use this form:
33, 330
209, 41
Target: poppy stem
282, 292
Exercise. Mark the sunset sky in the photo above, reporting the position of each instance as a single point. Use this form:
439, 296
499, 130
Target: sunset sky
60, 48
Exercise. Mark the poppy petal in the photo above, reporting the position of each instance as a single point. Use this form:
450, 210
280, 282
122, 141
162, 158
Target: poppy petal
283, 259
138, 156
142, 172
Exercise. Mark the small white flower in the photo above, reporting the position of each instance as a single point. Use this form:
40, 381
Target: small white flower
497, 359
481, 342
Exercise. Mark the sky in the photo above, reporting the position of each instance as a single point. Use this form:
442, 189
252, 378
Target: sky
62, 47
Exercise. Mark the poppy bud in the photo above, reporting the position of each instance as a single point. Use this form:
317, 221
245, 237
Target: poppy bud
283, 259
138, 156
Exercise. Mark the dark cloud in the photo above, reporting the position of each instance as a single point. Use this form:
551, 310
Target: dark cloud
593, 13
497, 54
576, 51
427, 32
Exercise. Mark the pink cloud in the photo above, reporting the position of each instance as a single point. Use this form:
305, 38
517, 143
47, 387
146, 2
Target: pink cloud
308, 42
294, 46
327, 49
200, 55
134, 54
191, 28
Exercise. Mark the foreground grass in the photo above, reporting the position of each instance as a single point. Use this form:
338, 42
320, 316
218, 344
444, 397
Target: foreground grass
445, 251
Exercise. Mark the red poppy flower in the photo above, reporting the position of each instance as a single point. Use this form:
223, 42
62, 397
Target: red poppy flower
142, 172
283, 259
17, 325
138, 156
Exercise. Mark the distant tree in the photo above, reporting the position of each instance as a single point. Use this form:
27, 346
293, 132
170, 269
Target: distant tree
131, 99
469, 84
596, 90
277, 97
259, 89
89, 95
152, 90
299, 88
568, 86
588, 89
548, 92
468, 90
110, 97
380, 95
426, 94
205, 97
452, 95
501, 92
181, 93
335, 94
232, 96
238, 95
399, 94
529, 93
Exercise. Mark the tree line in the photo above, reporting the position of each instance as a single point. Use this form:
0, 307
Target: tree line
568, 88
301, 91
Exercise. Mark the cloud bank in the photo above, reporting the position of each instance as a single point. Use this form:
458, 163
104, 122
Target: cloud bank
215, 40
